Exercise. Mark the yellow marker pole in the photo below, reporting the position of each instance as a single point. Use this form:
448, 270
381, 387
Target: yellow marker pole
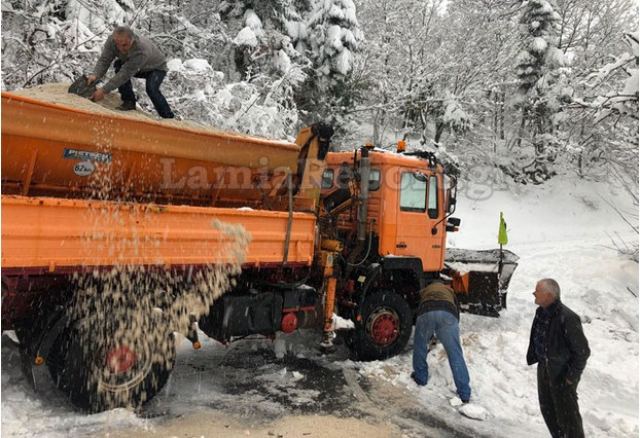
502, 240
502, 231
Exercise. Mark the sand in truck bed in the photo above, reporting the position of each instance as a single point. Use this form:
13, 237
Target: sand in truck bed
57, 93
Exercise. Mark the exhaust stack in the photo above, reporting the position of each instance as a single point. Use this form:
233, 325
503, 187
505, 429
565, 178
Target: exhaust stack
363, 196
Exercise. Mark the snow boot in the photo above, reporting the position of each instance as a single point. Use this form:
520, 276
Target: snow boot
127, 105
418, 382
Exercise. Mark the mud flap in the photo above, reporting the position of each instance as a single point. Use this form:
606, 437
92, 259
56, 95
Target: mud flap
38, 345
28, 368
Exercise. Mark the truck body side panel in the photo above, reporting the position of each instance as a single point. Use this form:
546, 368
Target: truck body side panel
53, 234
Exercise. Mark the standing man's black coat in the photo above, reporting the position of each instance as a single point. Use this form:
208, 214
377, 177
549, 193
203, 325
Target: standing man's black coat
567, 349
558, 345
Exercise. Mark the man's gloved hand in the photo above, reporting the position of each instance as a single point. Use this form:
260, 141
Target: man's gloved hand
91, 79
98, 95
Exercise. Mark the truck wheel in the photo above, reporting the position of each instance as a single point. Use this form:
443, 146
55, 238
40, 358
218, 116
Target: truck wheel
117, 374
385, 327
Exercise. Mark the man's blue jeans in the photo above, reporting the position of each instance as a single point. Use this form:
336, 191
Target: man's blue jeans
153, 79
445, 326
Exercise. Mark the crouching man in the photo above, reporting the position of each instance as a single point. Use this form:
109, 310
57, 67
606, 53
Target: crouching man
136, 56
439, 314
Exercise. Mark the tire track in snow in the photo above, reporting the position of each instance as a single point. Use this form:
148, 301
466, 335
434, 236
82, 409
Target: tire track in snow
388, 403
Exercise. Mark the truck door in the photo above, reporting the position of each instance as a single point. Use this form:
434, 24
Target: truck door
418, 212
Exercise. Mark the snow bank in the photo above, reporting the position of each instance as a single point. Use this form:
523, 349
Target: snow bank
174, 64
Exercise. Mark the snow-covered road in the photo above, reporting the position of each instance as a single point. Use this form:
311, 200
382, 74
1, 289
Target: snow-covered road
287, 388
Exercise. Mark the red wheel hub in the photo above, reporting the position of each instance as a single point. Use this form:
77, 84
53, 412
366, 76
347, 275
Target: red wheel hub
121, 359
289, 323
384, 327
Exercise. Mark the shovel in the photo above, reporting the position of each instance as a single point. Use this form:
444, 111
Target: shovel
81, 88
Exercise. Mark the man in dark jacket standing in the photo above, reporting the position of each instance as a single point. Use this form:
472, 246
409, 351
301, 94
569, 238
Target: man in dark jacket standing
561, 350
438, 314
138, 57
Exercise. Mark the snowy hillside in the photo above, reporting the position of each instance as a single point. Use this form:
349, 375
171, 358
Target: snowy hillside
561, 230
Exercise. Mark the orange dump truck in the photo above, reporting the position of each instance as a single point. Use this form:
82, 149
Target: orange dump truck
84, 192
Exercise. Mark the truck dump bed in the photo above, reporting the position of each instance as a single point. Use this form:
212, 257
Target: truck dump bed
85, 186
82, 149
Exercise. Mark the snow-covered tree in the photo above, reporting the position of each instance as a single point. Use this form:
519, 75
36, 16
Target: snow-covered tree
610, 109
333, 36
543, 85
622, 97
590, 37
53, 41
332, 40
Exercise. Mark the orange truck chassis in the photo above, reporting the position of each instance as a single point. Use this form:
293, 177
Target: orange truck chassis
357, 234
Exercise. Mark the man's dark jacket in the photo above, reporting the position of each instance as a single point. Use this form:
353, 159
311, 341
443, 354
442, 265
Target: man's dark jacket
567, 349
439, 296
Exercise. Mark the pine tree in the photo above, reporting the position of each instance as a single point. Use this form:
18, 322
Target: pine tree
332, 41
541, 84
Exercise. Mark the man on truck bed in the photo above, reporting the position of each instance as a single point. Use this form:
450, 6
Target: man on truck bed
139, 57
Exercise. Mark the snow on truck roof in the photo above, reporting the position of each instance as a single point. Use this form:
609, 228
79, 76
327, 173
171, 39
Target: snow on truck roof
378, 156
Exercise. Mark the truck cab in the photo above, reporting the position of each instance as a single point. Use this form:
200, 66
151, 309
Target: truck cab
391, 232
406, 206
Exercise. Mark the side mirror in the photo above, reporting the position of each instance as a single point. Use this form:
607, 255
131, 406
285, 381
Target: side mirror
455, 221
452, 224
451, 198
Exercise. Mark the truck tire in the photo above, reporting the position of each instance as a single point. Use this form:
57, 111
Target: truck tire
95, 379
385, 327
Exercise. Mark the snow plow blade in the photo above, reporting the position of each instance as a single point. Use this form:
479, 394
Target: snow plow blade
478, 279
